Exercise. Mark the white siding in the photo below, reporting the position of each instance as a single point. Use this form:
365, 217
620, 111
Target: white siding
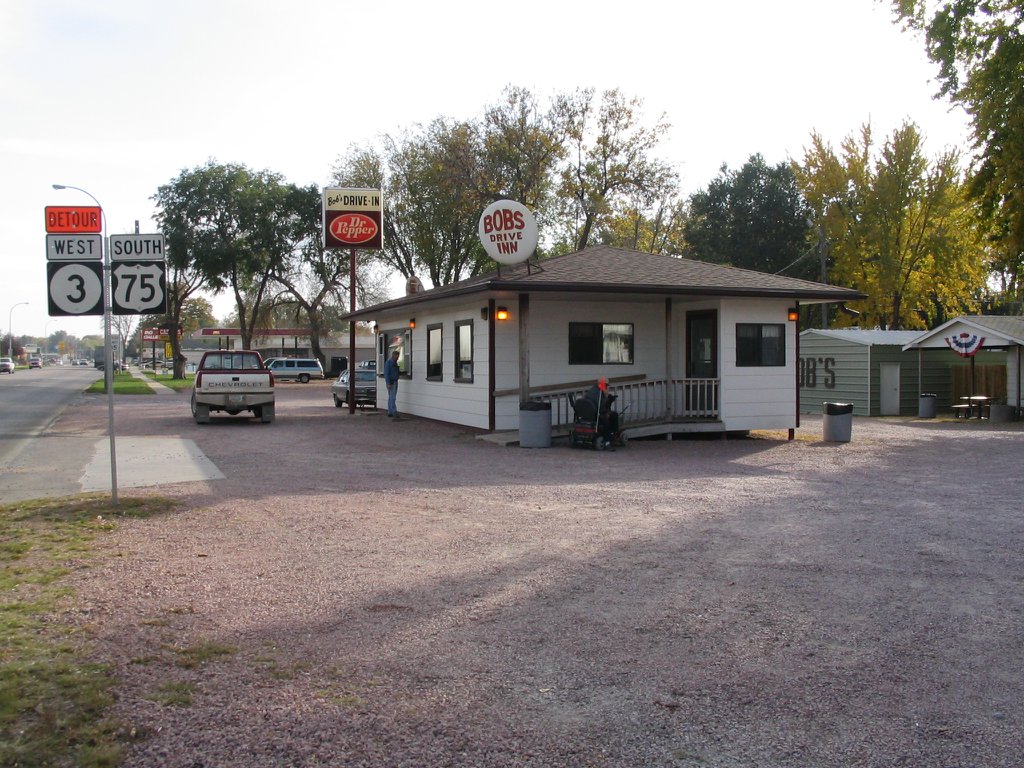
750, 398
445, 400
753, 397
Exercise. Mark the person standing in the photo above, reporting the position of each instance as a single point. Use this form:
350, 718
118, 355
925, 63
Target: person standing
392, 374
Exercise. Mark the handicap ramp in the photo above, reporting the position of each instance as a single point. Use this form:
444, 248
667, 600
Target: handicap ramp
145, 461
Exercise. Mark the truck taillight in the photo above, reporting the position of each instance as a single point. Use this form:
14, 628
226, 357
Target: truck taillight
271, 375
199, 379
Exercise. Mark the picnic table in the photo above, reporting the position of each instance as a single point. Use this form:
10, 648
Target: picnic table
973, 406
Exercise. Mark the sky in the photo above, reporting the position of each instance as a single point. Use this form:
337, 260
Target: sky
118, 97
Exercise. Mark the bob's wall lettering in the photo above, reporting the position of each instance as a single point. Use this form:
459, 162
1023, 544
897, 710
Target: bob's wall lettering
813, 369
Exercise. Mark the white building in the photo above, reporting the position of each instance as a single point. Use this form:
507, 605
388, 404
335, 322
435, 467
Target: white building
686, 345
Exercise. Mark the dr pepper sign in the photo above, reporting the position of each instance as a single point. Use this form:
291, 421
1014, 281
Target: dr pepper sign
352, 218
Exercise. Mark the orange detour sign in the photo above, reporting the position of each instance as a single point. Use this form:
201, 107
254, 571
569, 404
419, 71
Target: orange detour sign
62, 219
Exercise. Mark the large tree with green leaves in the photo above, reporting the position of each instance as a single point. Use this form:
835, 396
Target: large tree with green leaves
898, 226
233, 227
753, 218
979, 47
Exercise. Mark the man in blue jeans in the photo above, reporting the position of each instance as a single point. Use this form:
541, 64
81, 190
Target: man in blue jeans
391, 376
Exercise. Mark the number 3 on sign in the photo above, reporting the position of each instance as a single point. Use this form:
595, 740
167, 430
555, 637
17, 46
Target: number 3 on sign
138, 288
75, 288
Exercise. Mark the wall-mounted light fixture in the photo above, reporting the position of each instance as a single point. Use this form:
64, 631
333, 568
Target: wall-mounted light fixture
412, 322
483, 313
793, 314
501, 313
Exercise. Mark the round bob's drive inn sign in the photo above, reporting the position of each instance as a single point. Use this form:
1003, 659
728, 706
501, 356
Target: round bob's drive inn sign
352, 218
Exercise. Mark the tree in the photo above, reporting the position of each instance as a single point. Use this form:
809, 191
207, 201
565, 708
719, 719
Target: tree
231, 227
753, 218
124, 327
610, 161
898, 227
979, 47
430, 213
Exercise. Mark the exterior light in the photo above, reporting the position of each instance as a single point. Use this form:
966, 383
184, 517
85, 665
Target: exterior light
793, 314
501, 313
412, 322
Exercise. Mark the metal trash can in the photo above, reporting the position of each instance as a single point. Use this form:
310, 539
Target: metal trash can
926, 406
837, 422
534, 424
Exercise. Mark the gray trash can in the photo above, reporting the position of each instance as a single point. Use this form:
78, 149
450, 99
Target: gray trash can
534, 424
837, 422
926, 406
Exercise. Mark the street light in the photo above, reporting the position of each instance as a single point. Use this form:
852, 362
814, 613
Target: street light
108, 354
10, 330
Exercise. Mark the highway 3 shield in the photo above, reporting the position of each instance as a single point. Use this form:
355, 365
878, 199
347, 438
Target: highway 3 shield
75, 288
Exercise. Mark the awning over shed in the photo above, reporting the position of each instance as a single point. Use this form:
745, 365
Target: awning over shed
967, 333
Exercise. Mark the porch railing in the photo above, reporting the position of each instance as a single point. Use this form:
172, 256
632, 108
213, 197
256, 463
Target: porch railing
646, 401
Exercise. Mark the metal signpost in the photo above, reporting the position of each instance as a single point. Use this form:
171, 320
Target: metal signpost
80, 281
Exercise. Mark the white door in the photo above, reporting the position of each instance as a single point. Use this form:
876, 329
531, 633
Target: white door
889, 389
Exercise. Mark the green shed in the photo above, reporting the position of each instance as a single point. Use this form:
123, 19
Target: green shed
871, 370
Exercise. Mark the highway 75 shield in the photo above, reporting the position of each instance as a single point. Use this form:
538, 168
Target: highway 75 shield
138, 287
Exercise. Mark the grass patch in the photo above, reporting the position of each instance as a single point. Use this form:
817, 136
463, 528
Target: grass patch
202, 653
124, 384
176, 694
53, 696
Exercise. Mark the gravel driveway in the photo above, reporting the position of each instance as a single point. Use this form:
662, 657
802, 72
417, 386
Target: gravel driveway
364, 592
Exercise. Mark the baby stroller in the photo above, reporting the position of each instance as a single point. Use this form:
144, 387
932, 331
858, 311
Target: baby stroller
595, 424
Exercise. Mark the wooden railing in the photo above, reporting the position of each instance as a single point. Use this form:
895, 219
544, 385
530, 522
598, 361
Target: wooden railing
646, 401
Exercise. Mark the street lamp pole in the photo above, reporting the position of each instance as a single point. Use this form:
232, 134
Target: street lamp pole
10, 330
108, 352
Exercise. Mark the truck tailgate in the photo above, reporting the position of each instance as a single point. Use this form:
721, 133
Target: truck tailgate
215, 383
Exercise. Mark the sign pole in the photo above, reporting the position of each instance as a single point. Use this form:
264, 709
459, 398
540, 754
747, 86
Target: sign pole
108, 358
352, 331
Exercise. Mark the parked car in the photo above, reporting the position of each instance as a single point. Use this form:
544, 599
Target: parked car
296, 369
6, 365
366, 388
35, 362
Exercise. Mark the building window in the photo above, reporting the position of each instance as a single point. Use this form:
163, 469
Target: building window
600, 343
434, 352
464, 351
400, 339
760, 344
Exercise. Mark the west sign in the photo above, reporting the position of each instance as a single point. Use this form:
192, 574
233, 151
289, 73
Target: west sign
352, 218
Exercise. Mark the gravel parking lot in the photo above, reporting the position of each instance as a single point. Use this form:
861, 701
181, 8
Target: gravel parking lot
365, 592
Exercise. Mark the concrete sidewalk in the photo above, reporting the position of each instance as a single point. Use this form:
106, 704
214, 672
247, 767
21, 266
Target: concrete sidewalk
156, 386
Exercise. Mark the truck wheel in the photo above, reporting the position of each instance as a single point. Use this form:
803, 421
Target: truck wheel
201, 413
304, 378
337, 403
267, 414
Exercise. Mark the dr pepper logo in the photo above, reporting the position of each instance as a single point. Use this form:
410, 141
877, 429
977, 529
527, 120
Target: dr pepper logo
353, 228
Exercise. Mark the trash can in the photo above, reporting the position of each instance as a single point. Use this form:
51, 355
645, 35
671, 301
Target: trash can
926, 406
534, 424
837, 424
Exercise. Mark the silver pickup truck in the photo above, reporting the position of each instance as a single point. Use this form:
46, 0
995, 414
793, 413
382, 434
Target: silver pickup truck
233, 381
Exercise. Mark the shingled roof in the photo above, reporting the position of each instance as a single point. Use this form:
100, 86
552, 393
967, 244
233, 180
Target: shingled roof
608, 270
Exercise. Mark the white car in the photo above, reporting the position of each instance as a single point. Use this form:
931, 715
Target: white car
6, 365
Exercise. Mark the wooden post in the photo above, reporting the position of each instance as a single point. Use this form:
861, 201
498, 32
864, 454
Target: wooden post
670, 400
524, 347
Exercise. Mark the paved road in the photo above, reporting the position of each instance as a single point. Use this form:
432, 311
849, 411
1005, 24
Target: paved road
39, 459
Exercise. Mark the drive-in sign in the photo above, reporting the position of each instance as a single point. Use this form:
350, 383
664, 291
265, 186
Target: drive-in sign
352, 218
